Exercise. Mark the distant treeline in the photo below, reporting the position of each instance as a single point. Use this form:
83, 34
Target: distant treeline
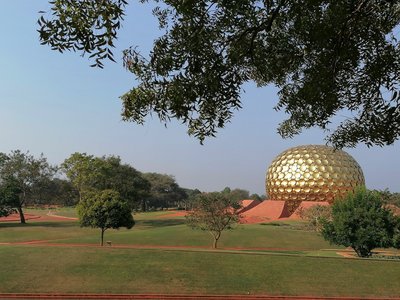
26, 180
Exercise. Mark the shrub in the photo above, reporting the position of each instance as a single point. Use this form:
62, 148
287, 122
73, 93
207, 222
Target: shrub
361, 222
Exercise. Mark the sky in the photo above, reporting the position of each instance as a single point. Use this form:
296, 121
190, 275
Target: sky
56, 104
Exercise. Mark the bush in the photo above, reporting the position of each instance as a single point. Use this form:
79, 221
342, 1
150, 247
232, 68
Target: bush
361, 222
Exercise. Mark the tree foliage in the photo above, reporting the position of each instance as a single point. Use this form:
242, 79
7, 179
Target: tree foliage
84, 25
26, 173
88, 173
57, 191
389, 198
104, 209
213, 212
190, 199
361, 222
83, 171
164, 191
129, 182
325, 57
9, 196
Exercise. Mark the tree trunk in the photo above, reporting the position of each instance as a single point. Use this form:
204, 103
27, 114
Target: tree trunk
102, 237
21, 215
143, 205
215, 243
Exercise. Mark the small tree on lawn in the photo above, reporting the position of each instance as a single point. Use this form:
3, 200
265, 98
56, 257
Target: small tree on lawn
361, 222
104, 210
213, 212
315, 216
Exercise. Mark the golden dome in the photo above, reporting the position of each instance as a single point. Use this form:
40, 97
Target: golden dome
312, 173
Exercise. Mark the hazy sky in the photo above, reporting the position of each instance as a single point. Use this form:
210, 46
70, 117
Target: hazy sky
56, 104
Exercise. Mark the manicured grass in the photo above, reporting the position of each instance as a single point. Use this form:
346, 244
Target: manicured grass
277, 259
165, 232
112, 270
31, 231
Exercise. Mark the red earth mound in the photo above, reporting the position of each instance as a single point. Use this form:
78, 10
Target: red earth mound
266, 211
248, 204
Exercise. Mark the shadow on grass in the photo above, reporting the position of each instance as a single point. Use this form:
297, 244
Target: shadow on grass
160, 223
39, 224
275, 224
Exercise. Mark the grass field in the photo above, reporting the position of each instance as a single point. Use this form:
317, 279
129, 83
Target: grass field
275, 260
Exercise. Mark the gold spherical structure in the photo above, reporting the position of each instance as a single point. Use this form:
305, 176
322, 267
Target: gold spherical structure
312, 173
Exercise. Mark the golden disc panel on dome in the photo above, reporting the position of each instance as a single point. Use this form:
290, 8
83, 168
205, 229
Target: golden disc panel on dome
312, 173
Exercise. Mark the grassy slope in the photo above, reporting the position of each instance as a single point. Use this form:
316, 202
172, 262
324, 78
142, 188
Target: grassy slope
153, 230
111, 270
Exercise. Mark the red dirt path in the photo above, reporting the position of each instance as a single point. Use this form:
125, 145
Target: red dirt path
38, 218
174, 213
15, 218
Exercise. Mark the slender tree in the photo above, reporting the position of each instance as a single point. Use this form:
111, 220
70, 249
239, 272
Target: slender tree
214, 212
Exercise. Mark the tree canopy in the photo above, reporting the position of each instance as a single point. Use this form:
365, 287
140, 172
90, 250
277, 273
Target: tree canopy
88, 173
361, 222
326, 58
104, 209
164, 191
23, 176
213, 212
9, 195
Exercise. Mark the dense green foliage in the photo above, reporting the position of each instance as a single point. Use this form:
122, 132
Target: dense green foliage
9, 195
241, 194
104, 210
361, 222
324, 56
88, 173
389, 198
213, 212
40, 184
164, 192
57, 191
27, 174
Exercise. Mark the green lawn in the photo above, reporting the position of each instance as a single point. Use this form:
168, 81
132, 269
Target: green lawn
112, 270
277, 259
165, 232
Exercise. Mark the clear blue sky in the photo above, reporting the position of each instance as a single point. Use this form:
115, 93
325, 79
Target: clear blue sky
56, 104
